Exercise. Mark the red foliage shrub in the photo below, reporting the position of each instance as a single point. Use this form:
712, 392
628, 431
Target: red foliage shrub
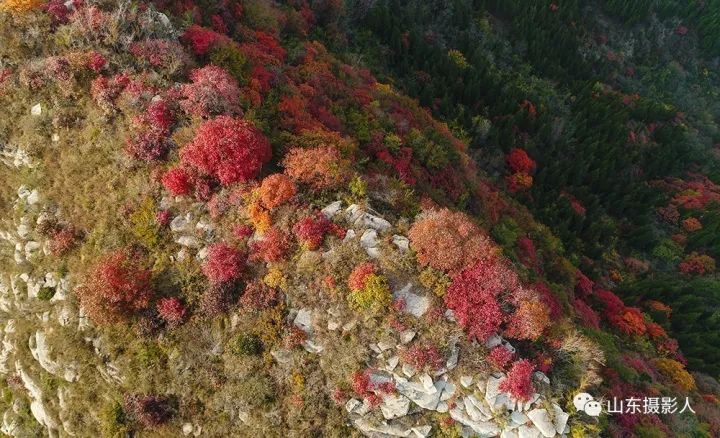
655, 330
519, 380
549, 299
527, 253
148, 145
172, 311
473, 297
692, 224
423, 357
357, 278
583, 285
201, 40
362, 384
115, 288
319, 168
96, 62
58, 11
520, 162
294, 338
149, 410
449, 241
629, 321
223, 264
162, 217
612, 303
158, 117
500, 356
276, 189
63, 240
229, 149
258, 296
273, 247
242, 231
161, 53
585, 314
699, 264
105, 90
311, 230
213, 91
177, 181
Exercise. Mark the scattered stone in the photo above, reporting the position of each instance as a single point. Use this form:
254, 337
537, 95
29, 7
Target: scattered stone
392, 363
407, 336
362, 219
528, 432
385, 345
368, 239
282, 356
415, 305
560, 418
312, 347
541, 419
188, 241
303, 320
408, 370
395, 406
402, 242
349, 235
36, 110
332, 209
466, 381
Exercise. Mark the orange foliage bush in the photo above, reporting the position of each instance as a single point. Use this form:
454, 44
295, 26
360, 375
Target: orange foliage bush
276, 189
692, 224
320, 168
20, 5
449, 241
529, 321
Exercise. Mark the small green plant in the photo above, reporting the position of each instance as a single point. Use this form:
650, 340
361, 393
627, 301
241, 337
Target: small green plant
46, 294
230, 58
113, 421
247, 345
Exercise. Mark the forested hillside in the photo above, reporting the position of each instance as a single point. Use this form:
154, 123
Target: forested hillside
383, 219
615, 105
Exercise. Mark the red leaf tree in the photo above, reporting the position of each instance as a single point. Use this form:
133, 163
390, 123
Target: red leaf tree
172, 311
520, 162
177, 181
273, 247
311, 230
212, 92
519, 380
115, 288
473, 297
229, 149
224, 263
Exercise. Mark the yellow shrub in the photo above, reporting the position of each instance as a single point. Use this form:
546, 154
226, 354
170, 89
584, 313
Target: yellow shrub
275, 279
20, 5
675, 371
434, 280
375, 296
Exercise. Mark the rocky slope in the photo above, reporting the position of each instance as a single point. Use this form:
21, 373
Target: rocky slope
225, 231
